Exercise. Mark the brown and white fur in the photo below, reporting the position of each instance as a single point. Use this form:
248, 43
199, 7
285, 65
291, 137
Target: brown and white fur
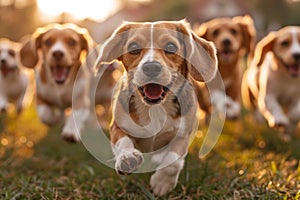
56, 52
155, 107
271, 84
13, 79
233, 37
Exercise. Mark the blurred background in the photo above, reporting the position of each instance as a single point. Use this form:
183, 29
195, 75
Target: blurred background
101, 17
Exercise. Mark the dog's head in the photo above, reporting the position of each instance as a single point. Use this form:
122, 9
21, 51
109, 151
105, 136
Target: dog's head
230, 35
156, 54
285, 45
61, 47
8, 56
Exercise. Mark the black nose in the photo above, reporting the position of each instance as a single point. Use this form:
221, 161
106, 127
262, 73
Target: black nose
3, 61
152, 69
58, 54
296, 56
226, 42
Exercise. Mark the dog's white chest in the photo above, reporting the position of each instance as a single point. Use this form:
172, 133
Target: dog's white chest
59, 95
13, 87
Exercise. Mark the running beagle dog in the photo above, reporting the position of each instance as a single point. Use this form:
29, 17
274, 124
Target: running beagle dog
56, 52
154, 104
13, 79
233, 37
271, 83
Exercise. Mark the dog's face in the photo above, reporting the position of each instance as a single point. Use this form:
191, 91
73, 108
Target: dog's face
8, 56
61, 51
155, 55
230, 35
285, 44
153, 59
61, 46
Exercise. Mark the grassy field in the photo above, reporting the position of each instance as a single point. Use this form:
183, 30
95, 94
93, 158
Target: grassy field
248, 162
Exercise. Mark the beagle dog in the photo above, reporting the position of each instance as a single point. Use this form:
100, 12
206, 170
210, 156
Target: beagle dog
233, 37
56, 52
271, 83
154, 104
13, 79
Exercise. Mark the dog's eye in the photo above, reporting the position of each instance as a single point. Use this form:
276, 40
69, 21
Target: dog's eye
72, 42
233, 31
285, 43
11, 53
215, 33
170, 48
134, 48
48, 42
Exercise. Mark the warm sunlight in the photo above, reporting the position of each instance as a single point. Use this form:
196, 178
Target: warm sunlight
79, 9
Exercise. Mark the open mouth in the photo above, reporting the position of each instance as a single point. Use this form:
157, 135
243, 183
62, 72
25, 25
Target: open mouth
60, 74
293, 70
153, 93
6, 70
226, 53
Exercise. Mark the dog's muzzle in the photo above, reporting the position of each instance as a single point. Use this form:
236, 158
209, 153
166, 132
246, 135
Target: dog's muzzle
153, 92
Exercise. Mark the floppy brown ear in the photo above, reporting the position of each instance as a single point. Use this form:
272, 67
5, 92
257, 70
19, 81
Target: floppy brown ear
248, 30
263, 47
30, 45
112, 48
201, 31
88, 47
200, 55
86, 41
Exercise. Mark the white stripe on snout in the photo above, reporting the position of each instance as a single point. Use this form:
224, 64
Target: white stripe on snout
295, 48
149, 56
58, 46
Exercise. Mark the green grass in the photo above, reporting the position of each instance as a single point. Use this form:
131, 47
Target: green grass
248, 162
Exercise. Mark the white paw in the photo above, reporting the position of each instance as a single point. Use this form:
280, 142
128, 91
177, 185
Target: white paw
279, 121
164, 180
233, 109
128, 161
50, 116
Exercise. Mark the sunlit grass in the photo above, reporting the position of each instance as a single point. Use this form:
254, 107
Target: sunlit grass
20, 133
248, 162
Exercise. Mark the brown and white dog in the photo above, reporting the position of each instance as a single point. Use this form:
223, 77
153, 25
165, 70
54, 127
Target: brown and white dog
271, 84
56, 52
233, 37
13, 80
155, 107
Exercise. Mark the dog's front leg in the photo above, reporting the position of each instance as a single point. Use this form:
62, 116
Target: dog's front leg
76, 121
75, 124
80, 110
269, 106
171, 163
128, 158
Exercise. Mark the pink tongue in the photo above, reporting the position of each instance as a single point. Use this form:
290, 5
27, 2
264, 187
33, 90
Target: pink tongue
4, 71
60, 73
153, 91
294, 70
